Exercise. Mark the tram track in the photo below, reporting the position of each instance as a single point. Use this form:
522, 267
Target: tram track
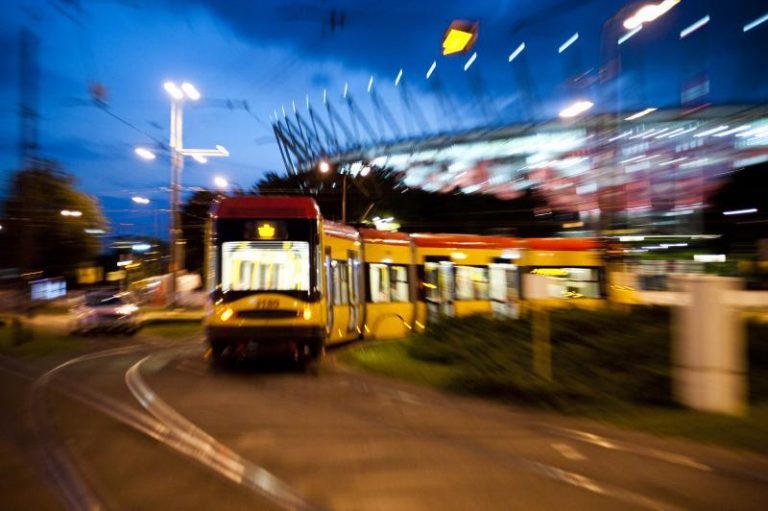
158, 421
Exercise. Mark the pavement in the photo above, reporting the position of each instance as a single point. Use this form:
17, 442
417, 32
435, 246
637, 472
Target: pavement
341, 440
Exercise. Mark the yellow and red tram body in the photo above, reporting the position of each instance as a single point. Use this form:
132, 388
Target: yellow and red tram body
282, 280
267, 287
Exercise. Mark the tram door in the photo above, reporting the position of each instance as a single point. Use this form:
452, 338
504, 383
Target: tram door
440, 288
355, 303
504, 289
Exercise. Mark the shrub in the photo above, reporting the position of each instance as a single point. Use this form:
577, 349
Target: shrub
605, 357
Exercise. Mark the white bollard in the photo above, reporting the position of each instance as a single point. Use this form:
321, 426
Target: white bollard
709, 370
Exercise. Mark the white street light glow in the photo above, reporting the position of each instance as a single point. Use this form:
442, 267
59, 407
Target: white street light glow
73, 213
694, 27
190, 90
324, 167
712, 131
470, 61
570, 41
431, 69
626, 37
366, 170
174, 90
648, 13
640, 114
199, 159
518, 51
752, 24
399, 77
143, 152
575, 109
220, 182
740, 212
140, 200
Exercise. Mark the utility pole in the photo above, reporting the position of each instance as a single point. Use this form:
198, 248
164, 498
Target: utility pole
177, 166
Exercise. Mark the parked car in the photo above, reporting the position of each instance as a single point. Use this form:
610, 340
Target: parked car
107, 313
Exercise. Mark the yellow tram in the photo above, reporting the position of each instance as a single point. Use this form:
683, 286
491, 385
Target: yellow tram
283, 281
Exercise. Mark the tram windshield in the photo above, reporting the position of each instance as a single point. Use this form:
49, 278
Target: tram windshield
265, 266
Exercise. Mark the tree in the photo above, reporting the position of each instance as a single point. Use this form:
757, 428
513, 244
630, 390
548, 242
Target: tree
36, 236
194, 213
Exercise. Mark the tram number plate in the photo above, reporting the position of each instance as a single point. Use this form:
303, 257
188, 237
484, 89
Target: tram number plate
264, 304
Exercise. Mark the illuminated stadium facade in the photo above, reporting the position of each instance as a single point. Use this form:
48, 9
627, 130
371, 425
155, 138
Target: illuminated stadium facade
657, 168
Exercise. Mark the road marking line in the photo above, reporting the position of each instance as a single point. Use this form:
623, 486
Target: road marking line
669, 457
568, 452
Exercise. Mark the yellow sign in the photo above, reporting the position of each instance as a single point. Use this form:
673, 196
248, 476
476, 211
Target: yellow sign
266, 231
455, 41
550, 272
460, 37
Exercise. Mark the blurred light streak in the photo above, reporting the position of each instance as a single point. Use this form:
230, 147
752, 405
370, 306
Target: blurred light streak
626, 37
470, 61
712, 131
570, 41
634, 158
648, 13
676, 160
346, 90
72, 213
200, 159
575, 109
757, 132
517, 52
694, 27
682, 132
671, 133
752, 24
399, 77
654, 133
293, 105
431, 69
325, 96
640, 114
370, 83
619, 137
140, 200
747, 211
734, 130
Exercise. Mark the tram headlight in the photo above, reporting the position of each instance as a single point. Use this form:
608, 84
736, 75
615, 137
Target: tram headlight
307, 313
226, 314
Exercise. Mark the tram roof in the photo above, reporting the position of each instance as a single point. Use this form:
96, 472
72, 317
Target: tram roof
269, 206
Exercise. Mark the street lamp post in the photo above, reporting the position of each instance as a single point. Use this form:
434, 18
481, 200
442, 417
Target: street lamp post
179, 94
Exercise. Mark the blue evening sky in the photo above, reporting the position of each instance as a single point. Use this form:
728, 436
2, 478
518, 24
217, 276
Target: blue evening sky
272, 52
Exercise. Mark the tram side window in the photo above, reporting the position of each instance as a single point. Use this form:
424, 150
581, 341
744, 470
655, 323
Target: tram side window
471, 283
389, 283
571, 282
340, 282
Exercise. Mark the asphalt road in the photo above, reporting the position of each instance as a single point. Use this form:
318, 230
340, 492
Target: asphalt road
136, 425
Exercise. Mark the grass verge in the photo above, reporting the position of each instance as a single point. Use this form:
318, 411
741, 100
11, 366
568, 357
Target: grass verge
611, 367
173, 330
37, 342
